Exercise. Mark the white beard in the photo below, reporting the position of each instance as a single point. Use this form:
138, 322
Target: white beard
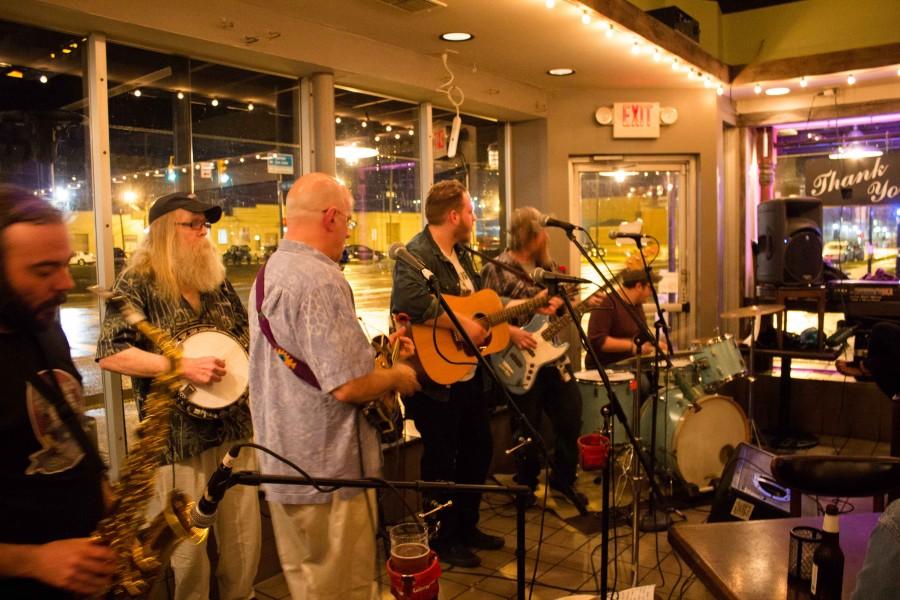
198, 267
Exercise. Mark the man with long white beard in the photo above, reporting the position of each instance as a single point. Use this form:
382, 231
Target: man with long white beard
177, 279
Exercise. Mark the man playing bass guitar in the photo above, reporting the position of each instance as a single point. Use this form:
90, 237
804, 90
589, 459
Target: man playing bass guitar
553, 390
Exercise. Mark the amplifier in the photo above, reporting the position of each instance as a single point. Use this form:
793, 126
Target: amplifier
748, 491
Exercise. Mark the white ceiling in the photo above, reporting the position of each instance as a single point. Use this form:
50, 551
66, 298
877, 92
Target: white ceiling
516, 39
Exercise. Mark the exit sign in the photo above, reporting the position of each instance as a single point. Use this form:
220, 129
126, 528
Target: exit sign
636, 120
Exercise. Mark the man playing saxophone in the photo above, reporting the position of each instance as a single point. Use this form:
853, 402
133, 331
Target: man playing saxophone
52, 495
177, 280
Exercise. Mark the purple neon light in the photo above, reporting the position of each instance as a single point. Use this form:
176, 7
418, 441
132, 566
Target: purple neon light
842, 122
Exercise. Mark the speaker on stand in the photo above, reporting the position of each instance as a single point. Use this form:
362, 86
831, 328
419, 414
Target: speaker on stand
789, 248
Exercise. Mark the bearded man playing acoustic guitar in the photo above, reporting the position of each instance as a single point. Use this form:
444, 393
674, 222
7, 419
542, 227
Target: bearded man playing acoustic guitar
454, 420
177, 280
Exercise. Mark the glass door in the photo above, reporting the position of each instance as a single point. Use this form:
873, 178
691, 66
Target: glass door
650, 196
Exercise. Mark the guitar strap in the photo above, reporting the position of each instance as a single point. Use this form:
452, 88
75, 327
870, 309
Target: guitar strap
297, 366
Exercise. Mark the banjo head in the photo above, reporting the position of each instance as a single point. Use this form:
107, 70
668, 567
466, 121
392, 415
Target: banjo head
208, 400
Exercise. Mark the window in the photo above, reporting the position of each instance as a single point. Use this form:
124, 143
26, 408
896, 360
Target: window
860, 199
377, 151
477, 164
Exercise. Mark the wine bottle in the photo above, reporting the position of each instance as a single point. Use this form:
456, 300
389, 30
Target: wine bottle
828, 560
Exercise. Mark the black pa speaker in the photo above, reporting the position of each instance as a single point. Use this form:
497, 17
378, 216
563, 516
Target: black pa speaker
748, 491
790, 241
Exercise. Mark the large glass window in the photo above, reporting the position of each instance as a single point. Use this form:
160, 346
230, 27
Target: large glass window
477, 163
377, 151
836, 162
44, 141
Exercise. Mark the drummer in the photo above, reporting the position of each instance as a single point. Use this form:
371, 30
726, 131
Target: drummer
612, 331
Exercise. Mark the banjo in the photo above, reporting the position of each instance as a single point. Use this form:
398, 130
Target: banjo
213, 400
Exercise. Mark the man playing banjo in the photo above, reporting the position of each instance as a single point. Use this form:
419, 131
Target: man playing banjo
177, 279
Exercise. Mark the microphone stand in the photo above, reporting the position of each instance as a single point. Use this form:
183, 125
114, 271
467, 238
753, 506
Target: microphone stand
620, 414
651, 521
520, 492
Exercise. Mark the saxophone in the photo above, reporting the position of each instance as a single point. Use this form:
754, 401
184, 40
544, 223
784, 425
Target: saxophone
142, 553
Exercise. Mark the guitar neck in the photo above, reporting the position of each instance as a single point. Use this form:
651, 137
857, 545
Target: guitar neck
519, 310
557, 326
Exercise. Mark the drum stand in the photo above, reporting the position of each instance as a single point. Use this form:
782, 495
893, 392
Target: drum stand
751, 379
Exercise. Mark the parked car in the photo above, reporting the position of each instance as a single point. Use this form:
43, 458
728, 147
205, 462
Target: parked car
238, 255
82, 258
358, 252
842, 251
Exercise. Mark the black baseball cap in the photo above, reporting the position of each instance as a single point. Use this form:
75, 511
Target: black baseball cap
189, 202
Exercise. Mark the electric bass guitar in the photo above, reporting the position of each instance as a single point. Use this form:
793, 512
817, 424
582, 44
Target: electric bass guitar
517, 368
443, 353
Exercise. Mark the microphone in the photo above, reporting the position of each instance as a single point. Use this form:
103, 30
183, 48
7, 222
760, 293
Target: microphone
544, 277
203, 514
398, 251
615, 235
548, 221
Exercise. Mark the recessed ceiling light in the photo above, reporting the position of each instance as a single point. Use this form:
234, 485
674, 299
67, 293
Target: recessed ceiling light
777, 91
561, 72
456, 36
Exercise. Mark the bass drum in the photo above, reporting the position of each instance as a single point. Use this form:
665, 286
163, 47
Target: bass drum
695, 446
214, 400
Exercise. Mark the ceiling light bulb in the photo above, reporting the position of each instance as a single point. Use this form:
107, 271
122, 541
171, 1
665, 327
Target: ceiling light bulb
388, 128
585, 17
778, 91
691, 75
675, 64
377, 138
720, 90
364, 124
241, 159
706, 82
757, 89
560, 71
657, 55
250, 106
180, 95
803, 82
396, 136
215, 102
636, 48
43, 79
137, 93
411, 132
851, 79
337, 120
898, 71
456, 36
550, 3
610, 30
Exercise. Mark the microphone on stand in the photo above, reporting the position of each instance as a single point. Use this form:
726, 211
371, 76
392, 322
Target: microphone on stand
616, 235
203, 514
545, 277
398, 251
548, 221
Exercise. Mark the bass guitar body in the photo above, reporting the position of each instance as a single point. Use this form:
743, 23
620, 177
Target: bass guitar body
517, 368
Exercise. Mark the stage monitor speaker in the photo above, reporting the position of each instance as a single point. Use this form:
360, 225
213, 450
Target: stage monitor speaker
748, 491
790, 241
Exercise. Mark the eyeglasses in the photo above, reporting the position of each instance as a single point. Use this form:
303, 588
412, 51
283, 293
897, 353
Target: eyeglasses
351, 222
195, 225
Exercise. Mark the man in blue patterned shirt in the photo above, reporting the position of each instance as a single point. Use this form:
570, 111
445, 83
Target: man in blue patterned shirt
177, 279
312, 416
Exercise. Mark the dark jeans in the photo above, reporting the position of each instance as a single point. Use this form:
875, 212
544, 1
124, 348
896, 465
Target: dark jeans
883, 359
456, 436
561, 401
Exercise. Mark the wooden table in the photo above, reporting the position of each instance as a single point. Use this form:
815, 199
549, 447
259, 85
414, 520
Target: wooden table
747, 560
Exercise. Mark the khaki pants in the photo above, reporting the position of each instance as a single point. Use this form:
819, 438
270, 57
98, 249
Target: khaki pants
237, 527
327, 551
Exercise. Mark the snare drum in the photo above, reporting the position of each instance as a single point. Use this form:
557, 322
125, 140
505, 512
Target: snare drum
695, 445
594, 397
213, 400
718, 360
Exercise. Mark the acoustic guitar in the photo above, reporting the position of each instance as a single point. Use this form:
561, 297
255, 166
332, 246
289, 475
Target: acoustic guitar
443, 353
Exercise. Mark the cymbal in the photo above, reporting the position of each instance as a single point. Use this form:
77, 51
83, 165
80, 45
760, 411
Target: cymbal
752, 311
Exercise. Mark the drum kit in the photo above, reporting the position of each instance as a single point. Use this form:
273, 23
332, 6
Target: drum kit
697, 429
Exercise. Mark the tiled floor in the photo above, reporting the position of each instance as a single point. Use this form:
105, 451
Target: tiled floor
569, 556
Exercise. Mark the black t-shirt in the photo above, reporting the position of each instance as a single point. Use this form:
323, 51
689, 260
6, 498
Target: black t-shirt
48, 488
